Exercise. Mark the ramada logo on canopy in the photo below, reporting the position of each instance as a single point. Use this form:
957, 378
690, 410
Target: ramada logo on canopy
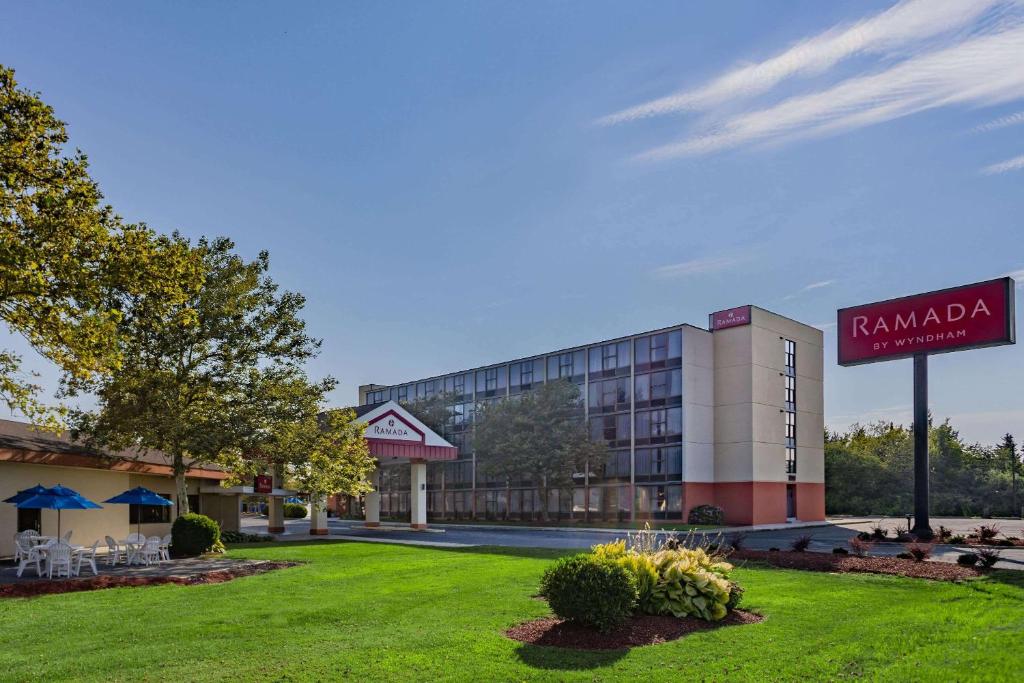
952, 313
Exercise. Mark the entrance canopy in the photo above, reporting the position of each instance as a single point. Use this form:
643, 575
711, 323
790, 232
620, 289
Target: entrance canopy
395, 435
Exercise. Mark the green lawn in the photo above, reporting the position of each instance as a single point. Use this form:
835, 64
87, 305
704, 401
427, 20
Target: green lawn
373, 612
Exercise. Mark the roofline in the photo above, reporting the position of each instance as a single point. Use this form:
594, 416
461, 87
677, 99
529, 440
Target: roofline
378, 387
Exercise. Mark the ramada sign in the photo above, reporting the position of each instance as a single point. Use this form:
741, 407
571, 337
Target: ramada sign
970, 316
392, 426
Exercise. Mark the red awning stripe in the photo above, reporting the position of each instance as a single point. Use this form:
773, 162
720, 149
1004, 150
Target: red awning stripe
396, 449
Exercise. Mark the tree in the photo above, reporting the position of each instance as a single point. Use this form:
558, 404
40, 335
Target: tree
540, 437
433, 411
211, 379
68, 265
1008, 449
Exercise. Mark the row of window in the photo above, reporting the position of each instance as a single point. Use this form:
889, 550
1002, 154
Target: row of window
789, 402
610, 503
651, 352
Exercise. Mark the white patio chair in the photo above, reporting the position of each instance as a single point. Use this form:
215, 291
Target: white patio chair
28, 553
150, 550
27, 534
115, 553
58, 559
165, 548
86, 555
136, 538
67, 536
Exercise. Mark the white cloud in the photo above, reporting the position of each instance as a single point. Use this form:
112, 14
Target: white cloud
699, 266
808, 288
905, 24
1014, 164
1001, 122
980, 71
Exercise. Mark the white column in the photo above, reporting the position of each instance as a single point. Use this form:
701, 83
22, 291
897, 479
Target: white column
418, 497
275, 508
371, 503
317, 516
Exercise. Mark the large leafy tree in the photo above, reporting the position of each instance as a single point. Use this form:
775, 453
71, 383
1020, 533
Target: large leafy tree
540, 437
212, 378
69, 267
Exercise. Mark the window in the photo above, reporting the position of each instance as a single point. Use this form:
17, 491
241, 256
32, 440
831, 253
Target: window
609, 360
789, 398
457, 386
491, 382
657, 388
659, 502
790, 460
150, 514
609, 395
790, 392
525, 375
568, 365
611, 428
403, 394
659, 426
790, 429
664, 464
789, 351
617, 465
659, 350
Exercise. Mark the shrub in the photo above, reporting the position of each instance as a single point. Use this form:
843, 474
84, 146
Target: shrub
735, 596
706, 514
864, 535
241, 537
957, 539
1003, 542
860, 546
905, 556
919, 551
943, 534
801, 544
738, 540
988, 558
987, 532
879, 532
590, 590
193, 534
294, 511
773, 550
840, 551
609, 551
691, 583
967, 559
645, 576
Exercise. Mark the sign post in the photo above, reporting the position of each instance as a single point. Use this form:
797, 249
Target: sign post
967, 317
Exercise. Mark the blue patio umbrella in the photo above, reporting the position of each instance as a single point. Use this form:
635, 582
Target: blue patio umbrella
139, 495
25, 494
58, 498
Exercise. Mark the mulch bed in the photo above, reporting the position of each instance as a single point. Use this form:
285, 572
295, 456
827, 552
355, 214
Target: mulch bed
822, 562
639, 630
30, 589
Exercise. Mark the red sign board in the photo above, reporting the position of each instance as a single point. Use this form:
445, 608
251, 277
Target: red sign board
263, 484
731, 317
967, 317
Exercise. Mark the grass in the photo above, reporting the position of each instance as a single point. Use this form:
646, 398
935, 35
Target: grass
385, 612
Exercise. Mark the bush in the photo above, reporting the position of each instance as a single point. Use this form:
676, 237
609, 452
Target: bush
879, 532
241, 537
919, 551
645, 576
194, 534
957, 539
840, 551
864, 535
738, 540
986, 533
988, 558
706, 514
860, 546
735, 596
691, 583
944, 534
967, 559
905, 556
590, 590
773, 550
294, 511
801, 544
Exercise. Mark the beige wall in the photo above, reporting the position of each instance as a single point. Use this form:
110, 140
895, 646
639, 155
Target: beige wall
698, 405
749, 398
96, 485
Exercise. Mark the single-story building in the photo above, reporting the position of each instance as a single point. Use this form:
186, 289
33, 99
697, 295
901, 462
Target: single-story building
29, 457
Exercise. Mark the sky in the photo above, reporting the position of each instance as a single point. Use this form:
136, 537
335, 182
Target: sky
452, 184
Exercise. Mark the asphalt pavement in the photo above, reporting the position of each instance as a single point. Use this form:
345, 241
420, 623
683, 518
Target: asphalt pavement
824, 538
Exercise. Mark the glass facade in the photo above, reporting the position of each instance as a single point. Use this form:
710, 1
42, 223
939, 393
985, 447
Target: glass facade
789, 403
632, 393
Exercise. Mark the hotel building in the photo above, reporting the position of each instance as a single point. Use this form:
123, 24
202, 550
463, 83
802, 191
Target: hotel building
731, 416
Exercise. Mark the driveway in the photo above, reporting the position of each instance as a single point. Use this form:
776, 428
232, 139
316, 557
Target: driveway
823, 538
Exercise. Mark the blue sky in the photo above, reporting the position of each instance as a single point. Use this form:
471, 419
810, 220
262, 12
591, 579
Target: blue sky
457, 183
